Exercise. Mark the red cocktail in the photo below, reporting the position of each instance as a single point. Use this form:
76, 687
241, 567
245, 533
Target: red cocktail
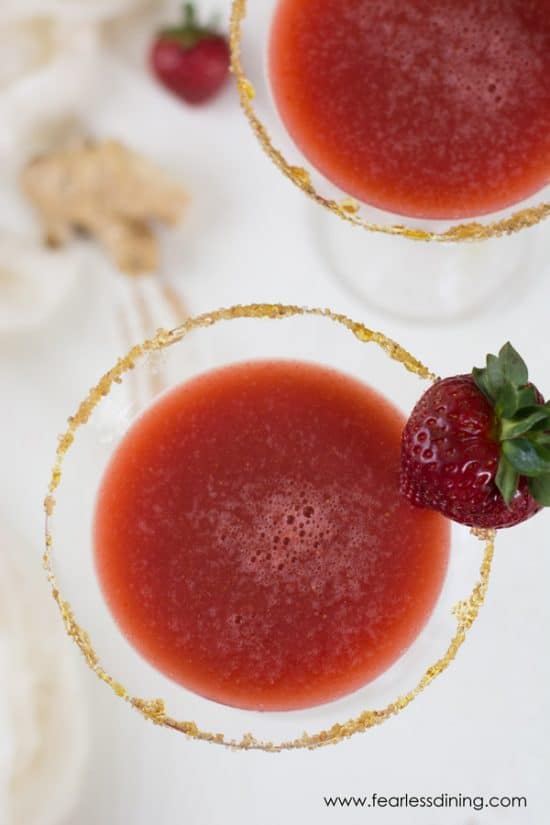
434, 110
251, 540
249, 533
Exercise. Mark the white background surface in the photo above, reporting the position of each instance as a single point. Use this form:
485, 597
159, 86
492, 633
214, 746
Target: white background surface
483, 727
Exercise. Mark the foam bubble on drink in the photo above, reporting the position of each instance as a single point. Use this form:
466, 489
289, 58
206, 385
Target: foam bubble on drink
477, 49
290, 536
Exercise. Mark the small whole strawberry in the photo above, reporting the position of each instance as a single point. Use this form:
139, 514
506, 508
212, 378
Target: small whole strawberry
477, 447
191, 60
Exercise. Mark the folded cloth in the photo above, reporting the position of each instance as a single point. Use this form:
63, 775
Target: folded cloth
43, 729
47, 70
76, 10
50, 61
34, 282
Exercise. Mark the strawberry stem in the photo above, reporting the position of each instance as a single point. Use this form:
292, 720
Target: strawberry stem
190, 31
189, 16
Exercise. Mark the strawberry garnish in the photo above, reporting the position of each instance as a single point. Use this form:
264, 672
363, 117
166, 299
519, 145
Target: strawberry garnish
477, 447
191, 60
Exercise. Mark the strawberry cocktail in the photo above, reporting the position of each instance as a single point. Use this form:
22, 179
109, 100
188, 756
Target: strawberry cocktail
273, 534
267, 536
252, 542
434, 110
438, 111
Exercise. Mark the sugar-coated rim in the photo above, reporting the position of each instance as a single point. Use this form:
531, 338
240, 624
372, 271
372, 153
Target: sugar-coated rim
154, 710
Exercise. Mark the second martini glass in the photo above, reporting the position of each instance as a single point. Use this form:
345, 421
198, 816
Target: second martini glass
459, 264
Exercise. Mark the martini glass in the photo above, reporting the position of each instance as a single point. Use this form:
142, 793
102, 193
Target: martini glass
412, 268
85, 449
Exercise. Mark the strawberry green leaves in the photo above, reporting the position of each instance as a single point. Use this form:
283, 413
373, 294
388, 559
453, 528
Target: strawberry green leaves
189, 32
503, 374
527, 419
507, 479
540, 489
527, 457
522, 425
512, 365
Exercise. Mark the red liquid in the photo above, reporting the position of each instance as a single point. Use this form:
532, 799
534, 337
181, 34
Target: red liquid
428, 108
251, 541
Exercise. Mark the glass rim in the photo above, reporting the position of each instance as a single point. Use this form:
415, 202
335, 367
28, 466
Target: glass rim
348, 208
465, 611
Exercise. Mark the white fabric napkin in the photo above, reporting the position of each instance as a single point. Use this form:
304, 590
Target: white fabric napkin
43, 724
